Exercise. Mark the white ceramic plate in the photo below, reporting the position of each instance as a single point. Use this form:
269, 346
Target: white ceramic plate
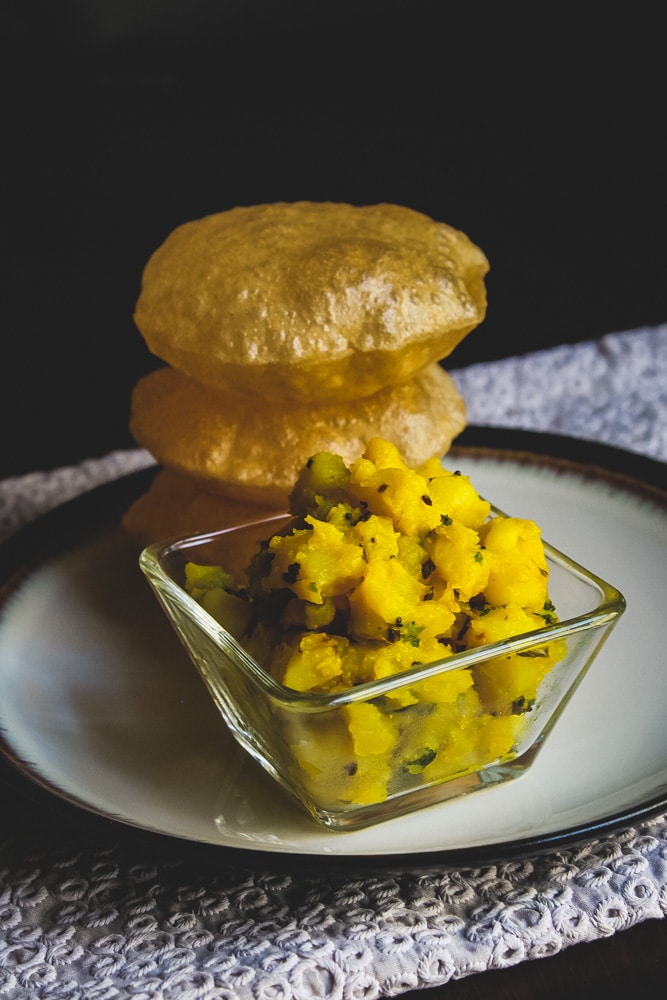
100, 705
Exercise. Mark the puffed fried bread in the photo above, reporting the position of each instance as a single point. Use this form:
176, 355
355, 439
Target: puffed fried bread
310, 300
176, 505
252, 450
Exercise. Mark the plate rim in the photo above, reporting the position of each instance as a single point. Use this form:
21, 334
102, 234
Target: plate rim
100, 507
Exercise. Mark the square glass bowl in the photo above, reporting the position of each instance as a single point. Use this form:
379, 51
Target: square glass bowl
393, 745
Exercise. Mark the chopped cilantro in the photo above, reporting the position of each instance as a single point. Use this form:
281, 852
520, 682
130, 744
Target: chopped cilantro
292, 574
417, 765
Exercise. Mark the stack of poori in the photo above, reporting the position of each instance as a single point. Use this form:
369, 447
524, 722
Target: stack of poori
288, 329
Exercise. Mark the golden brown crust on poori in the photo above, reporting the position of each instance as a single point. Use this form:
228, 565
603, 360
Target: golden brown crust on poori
304, 300
254, 450
177, 505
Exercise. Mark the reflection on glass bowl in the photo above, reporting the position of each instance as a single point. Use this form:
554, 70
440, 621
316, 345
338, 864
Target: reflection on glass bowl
389, 746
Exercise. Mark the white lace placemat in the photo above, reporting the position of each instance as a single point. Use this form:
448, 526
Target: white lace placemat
86, 916
612, 390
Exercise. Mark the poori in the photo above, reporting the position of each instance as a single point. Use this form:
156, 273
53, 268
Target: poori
307, 300
251, 449
176, 505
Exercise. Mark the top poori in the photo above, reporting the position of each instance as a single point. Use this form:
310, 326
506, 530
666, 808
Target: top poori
305, 300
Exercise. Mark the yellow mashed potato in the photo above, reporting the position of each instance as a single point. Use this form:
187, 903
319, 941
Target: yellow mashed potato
385, 568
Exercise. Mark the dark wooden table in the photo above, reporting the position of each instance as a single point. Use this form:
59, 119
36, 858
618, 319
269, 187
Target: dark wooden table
632, 963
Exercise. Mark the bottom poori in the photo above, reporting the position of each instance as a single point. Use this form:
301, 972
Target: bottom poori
176, 505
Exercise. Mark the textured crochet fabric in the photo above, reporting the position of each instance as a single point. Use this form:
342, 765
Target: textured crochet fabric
612, 390
89, 914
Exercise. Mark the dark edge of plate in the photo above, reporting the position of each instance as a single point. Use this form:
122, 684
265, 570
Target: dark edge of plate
74, 521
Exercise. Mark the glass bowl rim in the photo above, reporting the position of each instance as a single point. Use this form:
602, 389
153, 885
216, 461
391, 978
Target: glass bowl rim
610, 607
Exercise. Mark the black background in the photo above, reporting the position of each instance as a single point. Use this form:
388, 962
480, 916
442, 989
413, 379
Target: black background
538, 132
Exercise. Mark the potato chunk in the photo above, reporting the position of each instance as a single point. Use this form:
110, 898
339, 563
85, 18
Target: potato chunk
384, 569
